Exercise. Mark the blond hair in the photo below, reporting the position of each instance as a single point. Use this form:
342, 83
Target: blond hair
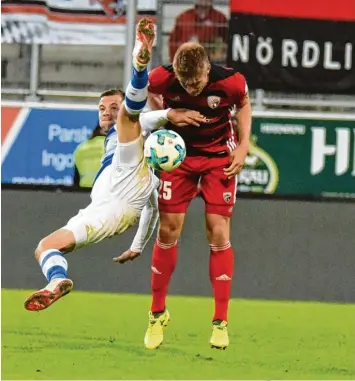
190, 59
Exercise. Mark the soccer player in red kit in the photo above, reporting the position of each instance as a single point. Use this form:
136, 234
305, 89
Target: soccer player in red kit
214, 157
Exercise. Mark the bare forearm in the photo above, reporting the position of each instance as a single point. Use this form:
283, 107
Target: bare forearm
244, 125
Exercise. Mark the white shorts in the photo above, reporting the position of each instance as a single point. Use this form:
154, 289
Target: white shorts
97, 222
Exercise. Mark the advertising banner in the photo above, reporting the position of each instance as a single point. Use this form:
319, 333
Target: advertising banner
290, 153
78, 22
294, 45
38, 143
301, 156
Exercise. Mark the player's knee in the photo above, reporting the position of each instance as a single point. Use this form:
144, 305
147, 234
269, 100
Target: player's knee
41, 247
217, 235
170, 227
217, 232
51, 242
169, 232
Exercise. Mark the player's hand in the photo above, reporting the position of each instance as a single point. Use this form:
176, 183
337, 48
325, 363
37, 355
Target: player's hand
237, 159
128, 255
182, 117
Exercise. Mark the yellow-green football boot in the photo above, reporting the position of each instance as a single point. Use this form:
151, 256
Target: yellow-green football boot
219, 338
155, 332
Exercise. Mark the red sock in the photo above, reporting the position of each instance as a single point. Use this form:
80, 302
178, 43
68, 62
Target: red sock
221, 273
163, 265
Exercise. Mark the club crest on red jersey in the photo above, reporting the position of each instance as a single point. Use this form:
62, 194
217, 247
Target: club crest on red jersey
213, 101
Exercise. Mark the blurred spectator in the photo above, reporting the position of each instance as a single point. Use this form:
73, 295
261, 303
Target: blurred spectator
87, 158
202, 24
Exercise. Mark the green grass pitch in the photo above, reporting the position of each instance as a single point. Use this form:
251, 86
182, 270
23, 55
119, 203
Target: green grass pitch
97, 336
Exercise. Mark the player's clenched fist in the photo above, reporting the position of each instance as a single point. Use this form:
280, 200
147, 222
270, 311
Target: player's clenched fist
183, 117
128, 255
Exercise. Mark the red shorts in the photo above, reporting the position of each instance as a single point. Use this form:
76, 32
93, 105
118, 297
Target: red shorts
198, 175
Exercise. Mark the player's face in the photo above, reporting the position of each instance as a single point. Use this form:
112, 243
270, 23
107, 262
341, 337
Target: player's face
195, 85
108, 111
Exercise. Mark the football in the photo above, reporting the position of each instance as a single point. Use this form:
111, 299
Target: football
164, 150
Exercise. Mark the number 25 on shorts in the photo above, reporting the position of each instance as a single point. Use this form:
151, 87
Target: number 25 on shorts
165, 189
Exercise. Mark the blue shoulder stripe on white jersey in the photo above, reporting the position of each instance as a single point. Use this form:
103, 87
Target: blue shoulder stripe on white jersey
110, 143
105, 163
111, 131
110, 147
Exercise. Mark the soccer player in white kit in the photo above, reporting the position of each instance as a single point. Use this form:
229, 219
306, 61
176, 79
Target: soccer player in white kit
109, 105
120, 193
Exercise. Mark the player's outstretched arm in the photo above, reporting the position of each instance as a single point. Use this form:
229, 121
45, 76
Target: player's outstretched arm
147, 224
128, 127
153, 120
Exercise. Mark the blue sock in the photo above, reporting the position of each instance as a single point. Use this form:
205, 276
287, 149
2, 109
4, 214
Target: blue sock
137, 75
53, 264
137, 92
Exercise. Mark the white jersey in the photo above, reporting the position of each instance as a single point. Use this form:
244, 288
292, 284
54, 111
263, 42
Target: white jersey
100, 188
121, 189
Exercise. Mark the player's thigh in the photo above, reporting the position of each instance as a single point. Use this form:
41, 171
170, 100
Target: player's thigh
128, 127
176, 190
96, 223
218, 191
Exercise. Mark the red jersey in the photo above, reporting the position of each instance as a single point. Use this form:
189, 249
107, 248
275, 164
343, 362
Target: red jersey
225, 89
